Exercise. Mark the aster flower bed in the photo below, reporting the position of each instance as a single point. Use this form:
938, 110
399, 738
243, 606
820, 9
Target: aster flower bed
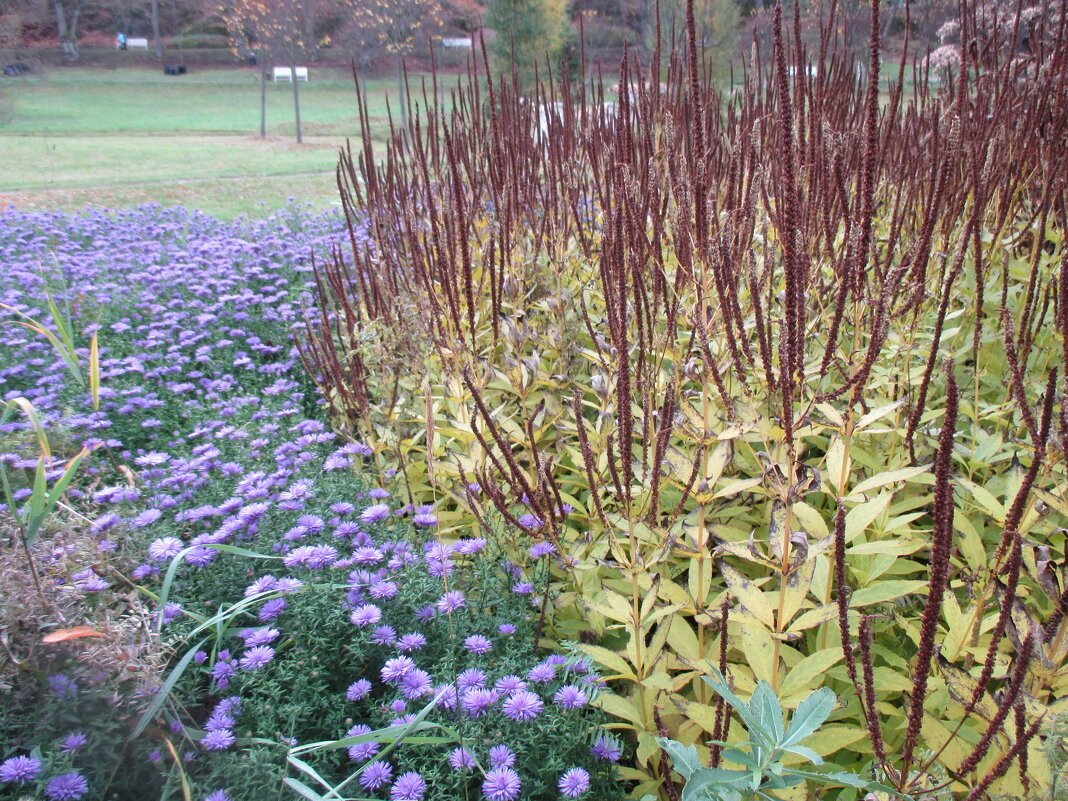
299, 602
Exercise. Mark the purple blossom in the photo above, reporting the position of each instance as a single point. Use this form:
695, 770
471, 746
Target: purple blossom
574, 782
412, 641
361, 752
396, 668
501, 756
376, 774
461, 759
217, 795
408, 787
256, 658
477, 701
19, 769
522, 706
366, 615
375, 514
604, 747
358, 689
570, 697
542, 673
218, 740
72, 742
67, 787
501, 784
450, 601
478, 644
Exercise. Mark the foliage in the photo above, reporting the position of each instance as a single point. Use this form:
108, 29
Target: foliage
528, 35
771, 740
778, 385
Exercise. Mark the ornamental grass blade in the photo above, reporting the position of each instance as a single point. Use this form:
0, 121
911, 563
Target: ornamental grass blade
164, 692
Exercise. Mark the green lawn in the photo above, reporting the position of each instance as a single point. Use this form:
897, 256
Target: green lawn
116, 137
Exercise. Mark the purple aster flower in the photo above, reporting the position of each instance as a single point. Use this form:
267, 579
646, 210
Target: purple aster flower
258, 636
366, 615
542, 673
408, 787
72, 742
384, 635
367, 555
218, 795
501, 756
471, 546
256, 658
67, 787
477, 644
271, 609
530, 521
425, 519
218, 740
472, 677
396, 668
416, 684
378, 494
604, 747
477, 701
410, 642
540, 549
383, 590
375, 514
425, 613
262, 584
19, 769
450, 601
522, 705
506, 628
574, 782
342, 508
509, 684
447, 693
523, 588
570, 697
376, 774
358, 689
501, 784
146, 518
361, 752
64, 686
461, 759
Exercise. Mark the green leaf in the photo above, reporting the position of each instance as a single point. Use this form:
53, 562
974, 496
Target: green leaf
810, 715
889, 477
302, 789
683, 757
705, 783
768, 710
884, 591
806, 752
718, 683
164, 692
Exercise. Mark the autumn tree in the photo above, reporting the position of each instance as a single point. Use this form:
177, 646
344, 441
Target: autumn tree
394, 27
273, 31
527, 32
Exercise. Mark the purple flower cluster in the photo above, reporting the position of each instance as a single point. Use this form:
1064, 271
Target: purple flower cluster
203, 397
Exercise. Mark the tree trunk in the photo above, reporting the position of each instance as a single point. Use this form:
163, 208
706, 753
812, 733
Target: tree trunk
155, 30
67, 30
296, 91
263, 101
310, 42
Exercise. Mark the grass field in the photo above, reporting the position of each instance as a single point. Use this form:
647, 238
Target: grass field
119, 137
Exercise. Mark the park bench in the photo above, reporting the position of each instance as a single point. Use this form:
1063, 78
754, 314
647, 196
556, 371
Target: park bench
137, 44
286, 73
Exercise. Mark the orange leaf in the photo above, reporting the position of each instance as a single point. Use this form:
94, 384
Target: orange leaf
76, 633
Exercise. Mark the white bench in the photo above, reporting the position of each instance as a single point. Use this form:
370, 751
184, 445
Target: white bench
286, 73
135, 44
461, 42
